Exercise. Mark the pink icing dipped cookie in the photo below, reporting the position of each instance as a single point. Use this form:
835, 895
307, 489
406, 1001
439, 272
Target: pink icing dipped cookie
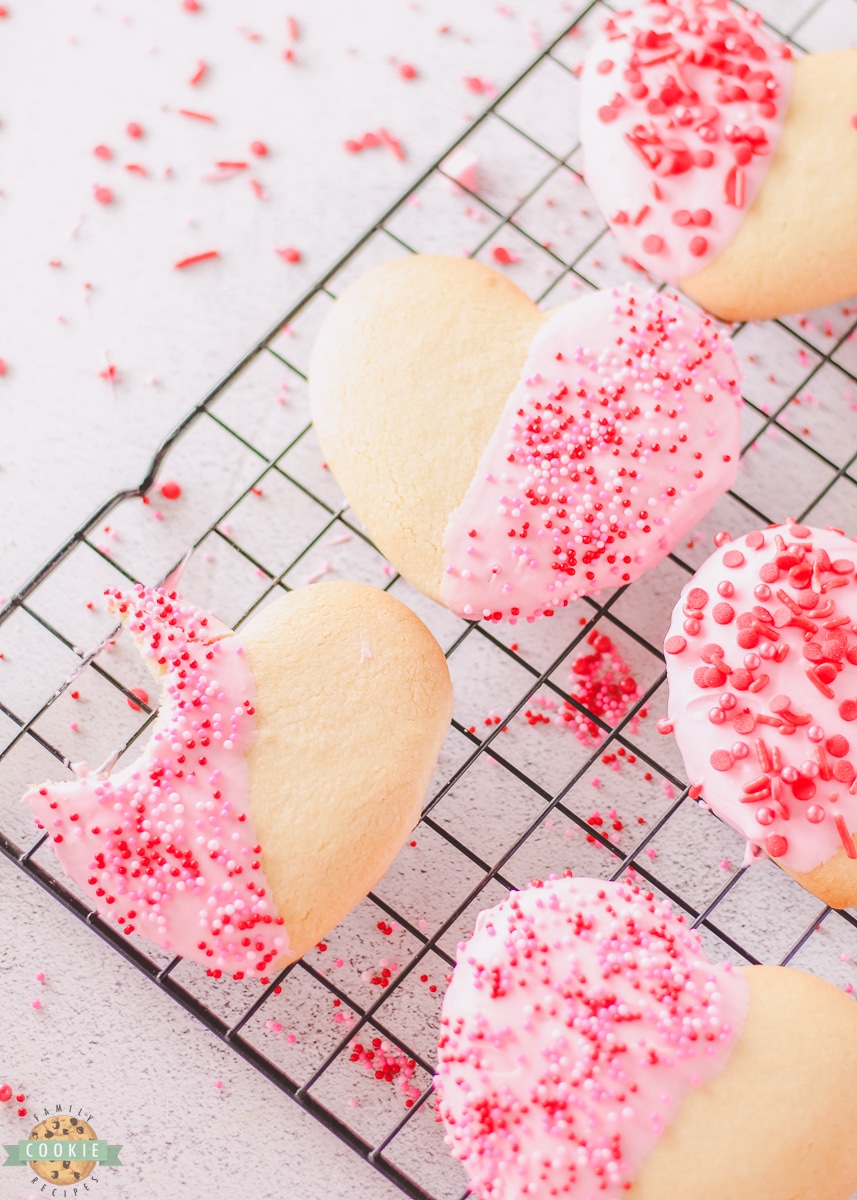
588, 1049
762, 666
509, 461
256, 815
721, 163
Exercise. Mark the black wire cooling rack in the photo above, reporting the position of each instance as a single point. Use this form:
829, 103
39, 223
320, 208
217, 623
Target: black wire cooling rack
513, 797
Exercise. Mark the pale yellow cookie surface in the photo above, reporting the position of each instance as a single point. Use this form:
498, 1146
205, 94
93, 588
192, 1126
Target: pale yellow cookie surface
778, 1122
353, 700
797, 246
441, 341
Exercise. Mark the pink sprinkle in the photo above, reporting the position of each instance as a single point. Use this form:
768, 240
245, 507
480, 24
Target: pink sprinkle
35, 1004
102, 194
198, 74
653, 243
291, 1039
338, 962
259, 148
218, 1083
595, 782
40, 976
196, 116
73, 726
3, 367
651, 853
725, 864
854, 120
849, 988
134, 130
191, 6
103, 152
407, 71
293, 28
289, 254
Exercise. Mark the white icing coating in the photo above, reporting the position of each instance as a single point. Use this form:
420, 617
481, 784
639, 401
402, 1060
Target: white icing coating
166, 846
621, 432
785, 728
682, 105
579, 1015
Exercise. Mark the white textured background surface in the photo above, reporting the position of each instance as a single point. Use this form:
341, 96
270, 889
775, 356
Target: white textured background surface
105, 1038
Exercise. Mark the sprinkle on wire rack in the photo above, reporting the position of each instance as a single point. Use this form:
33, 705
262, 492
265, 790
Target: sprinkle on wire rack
559, 802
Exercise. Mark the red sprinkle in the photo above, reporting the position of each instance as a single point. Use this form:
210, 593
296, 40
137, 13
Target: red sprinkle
198, 74
845, 836
501, 255
653, 243
848, 710
102, 194
723, 613
407, 71
102, 151
197, 116
289, 254
195, 258
776, 845
698, 246
170, 490
259, 148
134, 130
675, 644
141, 694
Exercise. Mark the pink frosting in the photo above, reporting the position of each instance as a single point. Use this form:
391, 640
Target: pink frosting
762, 665
166, 846
682, 104
578, 1016
621, 432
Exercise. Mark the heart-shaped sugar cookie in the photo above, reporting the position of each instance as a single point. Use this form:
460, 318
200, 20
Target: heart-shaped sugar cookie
588, 1049
723, 164
285, 770
506, 460
762, 666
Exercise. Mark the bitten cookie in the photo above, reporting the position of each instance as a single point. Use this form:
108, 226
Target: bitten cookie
508, 461
285, 770
723, 165
588, 1049
762, 667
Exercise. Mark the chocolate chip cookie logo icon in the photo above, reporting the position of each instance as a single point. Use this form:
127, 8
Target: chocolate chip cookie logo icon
63, 1150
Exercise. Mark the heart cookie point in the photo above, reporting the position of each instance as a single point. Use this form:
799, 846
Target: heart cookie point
508, 461
266, 803
762, 667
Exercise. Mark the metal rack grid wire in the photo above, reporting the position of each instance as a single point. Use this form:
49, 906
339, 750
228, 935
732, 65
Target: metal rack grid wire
674, 847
